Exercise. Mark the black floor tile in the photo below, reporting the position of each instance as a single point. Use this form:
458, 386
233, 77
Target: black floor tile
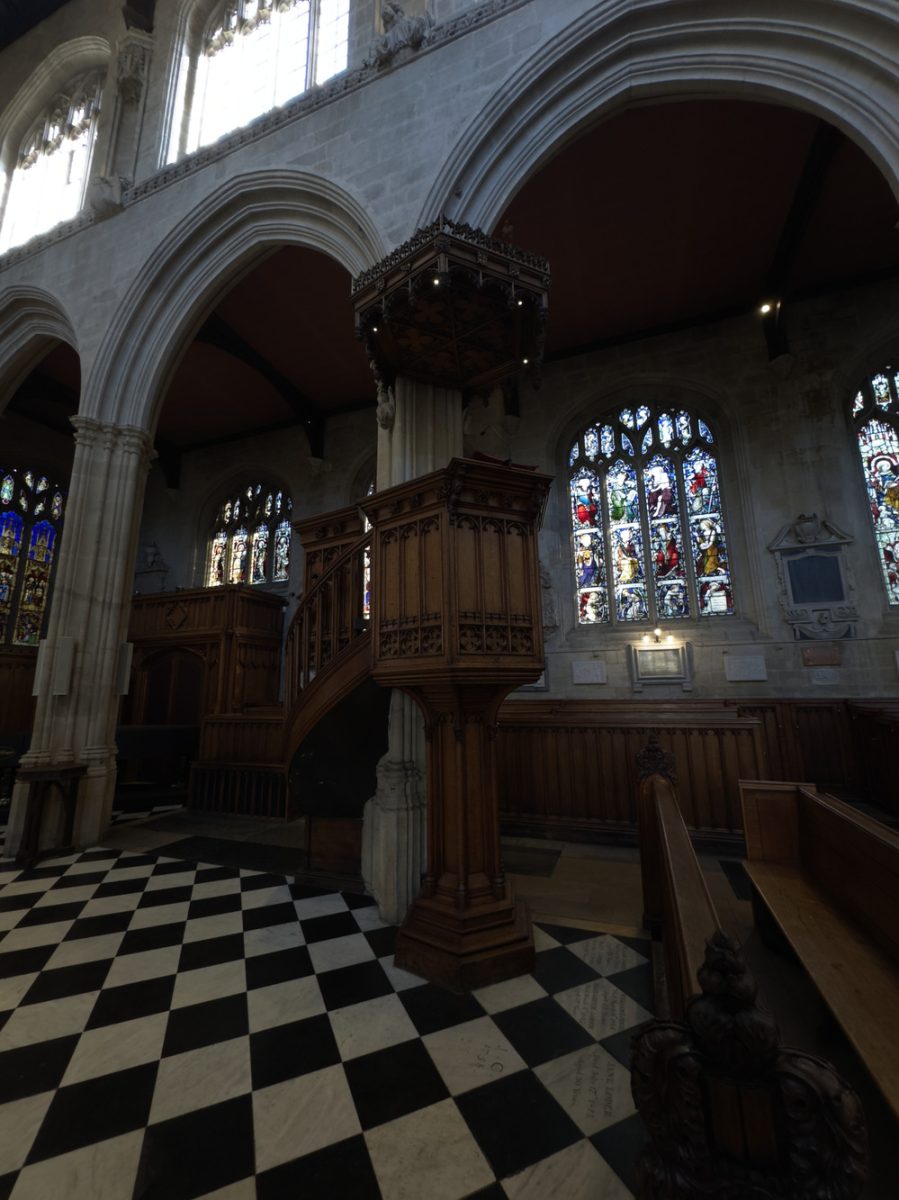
118, 887
210, 951
96, 926
382, 941
7, 1183
339, 1172
216, 874
127, 861
392, 1082
621, 1146
277, 967
102, 855
154, 937
23, 902
516, 1122
131, 1000
163, 896
643, 945
356, 900
171, 868
204, 1024
542, 1030
300, 891
619, 1046
50, 872
68, 981
95, 1110
198, 1153
49, 914
637, 982
253, 856
85, 879
322, 929
259, 880
559, 969
23, 962
352, 985
211, 906
293, 1049
566, 934
271, 914
494, 1192
30, 1070
432, 1008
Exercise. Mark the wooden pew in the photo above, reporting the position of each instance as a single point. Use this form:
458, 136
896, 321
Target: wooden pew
729, 1110
828, 877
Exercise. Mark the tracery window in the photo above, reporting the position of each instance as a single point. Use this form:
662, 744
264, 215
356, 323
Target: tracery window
256, 55
31, 515
648, 536
250, 542
875, 416
49, 180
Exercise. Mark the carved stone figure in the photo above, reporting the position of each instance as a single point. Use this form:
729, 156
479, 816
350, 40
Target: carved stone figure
400, 32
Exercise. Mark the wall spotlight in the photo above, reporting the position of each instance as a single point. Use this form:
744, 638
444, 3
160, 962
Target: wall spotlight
765, 309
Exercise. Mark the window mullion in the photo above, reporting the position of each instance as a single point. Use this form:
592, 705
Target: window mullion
312, 51
648, 573
686, 534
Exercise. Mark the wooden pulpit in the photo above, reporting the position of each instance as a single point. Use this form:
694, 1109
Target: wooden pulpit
456, 623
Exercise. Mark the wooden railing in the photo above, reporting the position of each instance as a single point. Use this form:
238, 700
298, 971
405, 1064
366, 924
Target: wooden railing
328, 619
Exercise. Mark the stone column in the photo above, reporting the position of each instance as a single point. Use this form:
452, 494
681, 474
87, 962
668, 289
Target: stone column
79, 662
419, 430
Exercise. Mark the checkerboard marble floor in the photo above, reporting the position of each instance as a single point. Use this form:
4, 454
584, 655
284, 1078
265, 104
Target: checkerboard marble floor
175, 1030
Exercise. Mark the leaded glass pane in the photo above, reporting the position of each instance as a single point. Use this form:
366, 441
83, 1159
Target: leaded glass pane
684, 431
29, 479
666, 429
878, 445
607, 440
573, 455
626, 417
858, 403
881, 387
215, 576
591, 443
239, 554
7, 489
585, 492
704, 431
707, 538
627, 445
35, 585
626, 542
647, 441
643, 415
257, 557
281, 562
666, 540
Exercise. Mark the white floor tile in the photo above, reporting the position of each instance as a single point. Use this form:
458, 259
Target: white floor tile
430, 1153
273, 938
19, 1122
280, 1003
12, 990
340, 952
592, 1086
83, 950
209, 983
500, 997
148, 964
199, 1078
472, 1054
602, 1008
401, 980
302, 1115
606, 954
577, 1173
104, 1171
159, 914
373, 1025
320, 906
115, 1047
32, 1023
219, 925
25, 937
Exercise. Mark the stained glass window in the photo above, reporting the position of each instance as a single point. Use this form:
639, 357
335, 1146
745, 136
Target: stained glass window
250, 540
875, 412
50, 177
648, 535
254, 56
29, 537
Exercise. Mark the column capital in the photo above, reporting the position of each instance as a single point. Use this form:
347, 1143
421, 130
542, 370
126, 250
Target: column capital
125, 439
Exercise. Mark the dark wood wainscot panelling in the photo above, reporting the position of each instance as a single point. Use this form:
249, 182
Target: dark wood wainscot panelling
568, 768
16, 681
807, 739
207, 650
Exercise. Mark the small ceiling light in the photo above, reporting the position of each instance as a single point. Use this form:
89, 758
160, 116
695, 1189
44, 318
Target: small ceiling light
520, 302
525, 361
765, 309
374, 329
436, 281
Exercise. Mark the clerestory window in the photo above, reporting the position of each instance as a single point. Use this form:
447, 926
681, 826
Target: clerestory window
49, 180
875, 416
256, 55
31, 514
648, 536
250, 541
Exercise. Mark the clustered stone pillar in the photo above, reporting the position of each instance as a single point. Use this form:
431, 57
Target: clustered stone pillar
419, 430
80, 661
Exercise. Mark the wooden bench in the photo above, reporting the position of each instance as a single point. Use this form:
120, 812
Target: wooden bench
729, 1110
828, 877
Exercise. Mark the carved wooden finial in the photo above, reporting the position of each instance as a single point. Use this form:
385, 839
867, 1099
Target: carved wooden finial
653, 760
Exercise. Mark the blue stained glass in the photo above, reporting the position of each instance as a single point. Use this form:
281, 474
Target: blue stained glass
10, 534
642, 416
647, 441
684, 431
607, 440
627, 557
858, 404
672, 602
29, 479
626, 445
278, 501
593, 606
268, 505
43, 535
708, 547
42, 484
588, 560
591, 443
7, 489
281, 560
881, 386
572, 457
704, 431
626, 417
666, 429
227, 513
878, 445
56, 507
585, 493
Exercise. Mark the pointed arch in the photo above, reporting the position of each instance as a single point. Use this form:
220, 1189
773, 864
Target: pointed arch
836, 61
217, 242
30, 318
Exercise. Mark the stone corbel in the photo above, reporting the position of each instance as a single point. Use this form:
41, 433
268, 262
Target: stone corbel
400, 33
